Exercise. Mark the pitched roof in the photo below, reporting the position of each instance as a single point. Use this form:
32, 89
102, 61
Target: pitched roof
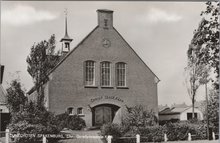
174, 110
183, 105
137, 55
67, 55
162, 107
63, 59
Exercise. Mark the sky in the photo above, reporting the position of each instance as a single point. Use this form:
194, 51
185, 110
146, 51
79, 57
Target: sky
160, 33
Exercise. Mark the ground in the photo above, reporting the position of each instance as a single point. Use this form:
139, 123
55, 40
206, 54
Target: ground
84, 137
95, 137
199, 141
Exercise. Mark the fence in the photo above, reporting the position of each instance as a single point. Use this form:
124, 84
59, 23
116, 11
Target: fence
137, 138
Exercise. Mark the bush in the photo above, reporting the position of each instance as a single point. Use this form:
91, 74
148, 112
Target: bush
33, 120
153, 133
139, 116
73, 122
114, 130
144, 122
174, 131
168, 121
180, 130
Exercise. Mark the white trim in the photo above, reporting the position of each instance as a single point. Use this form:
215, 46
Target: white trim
85, 73
117, 75
110, 76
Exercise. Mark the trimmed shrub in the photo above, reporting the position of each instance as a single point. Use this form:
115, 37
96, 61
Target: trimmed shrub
180, 130
174, 131
73, 122
152, 133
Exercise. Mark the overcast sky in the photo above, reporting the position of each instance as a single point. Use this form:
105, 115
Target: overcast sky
159, 32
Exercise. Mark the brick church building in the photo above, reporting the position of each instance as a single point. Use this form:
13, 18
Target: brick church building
100, 77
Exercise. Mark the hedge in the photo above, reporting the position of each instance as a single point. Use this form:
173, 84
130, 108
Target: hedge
175, 131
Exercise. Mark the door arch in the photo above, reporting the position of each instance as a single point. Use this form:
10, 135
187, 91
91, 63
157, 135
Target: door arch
104, 113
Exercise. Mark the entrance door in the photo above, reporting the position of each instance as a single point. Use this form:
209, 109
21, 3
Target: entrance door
103, 115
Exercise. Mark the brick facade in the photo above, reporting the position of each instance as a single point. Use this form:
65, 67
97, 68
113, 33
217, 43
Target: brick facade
66, 85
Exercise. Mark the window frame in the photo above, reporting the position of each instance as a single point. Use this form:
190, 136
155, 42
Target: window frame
88, 74
117, 75
81, 111
109, 73
72, 113
189, 115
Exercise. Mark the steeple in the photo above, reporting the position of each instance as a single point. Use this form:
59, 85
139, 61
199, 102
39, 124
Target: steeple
66, 40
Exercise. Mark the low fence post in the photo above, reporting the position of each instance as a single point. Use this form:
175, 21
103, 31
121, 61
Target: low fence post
7, 136
165, 137
213, 135
109, 139
189, 137
44, 139
138, 138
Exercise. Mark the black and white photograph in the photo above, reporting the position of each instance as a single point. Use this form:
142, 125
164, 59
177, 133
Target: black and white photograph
109, 72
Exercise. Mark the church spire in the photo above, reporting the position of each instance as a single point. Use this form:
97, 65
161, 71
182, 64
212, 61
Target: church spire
66, 40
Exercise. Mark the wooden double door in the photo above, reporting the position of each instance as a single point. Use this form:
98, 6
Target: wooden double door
103, 115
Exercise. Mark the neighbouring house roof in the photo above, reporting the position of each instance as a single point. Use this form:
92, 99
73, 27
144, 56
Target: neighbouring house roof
162, 107
183, 105
173, 110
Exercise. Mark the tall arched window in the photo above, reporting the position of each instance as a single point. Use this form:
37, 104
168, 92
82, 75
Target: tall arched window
105, 74
89, 73
121, 74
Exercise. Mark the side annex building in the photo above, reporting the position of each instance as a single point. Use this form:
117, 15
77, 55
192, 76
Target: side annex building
100, 77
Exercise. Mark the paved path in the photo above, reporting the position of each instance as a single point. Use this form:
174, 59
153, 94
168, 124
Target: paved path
84, 137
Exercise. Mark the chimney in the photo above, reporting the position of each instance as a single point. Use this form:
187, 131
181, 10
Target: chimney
105, 18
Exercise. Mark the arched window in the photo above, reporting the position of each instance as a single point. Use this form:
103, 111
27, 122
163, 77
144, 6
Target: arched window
89, 73
105, 74
70, 111
121, 74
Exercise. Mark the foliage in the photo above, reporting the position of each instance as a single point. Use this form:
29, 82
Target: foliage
41, 60
33, 120
175, 131
179, 131
152, 133
213, 110
138, 116
73, 122
205, 49
195, 75
115, 130
163, 122
205, 42
15, 97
